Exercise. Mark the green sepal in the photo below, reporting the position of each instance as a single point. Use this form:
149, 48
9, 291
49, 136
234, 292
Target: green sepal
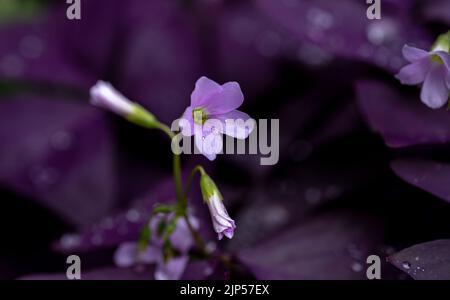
442, 42
140, 116
208, 187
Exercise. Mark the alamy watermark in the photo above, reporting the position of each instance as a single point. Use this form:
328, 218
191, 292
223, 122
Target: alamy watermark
241, 137
374, 10
73, 11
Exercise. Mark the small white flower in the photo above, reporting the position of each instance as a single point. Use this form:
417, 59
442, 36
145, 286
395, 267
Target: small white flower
222, 223
104, 95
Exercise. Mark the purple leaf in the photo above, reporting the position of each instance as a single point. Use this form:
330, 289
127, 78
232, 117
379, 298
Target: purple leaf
161, 57
126, 225
57, 51
333, 246
430, 176
427, 261
60, 154
436, 10
343, 29
401, 119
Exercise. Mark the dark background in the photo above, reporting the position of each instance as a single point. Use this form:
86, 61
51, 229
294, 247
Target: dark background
320, 67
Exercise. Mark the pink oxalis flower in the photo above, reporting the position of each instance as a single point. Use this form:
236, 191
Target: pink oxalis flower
213, 111
432, 68
222, 223
129, 254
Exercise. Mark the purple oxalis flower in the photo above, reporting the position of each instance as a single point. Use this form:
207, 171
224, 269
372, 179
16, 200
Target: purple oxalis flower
433, 69
222, 222
129, 254
213, 112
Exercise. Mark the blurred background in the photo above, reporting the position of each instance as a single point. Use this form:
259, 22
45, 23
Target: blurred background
363, 164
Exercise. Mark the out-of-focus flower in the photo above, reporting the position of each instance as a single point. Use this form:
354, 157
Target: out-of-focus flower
222, 223
213, 112
104, 95
432, 68
129, 254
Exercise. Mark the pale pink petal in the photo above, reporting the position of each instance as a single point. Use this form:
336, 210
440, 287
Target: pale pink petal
227, 100
150, 255
171, 270
434, 90
186, 122
126, 255
222, 223
209, 143
445, 58
205, 88
414, 73
413, 54
236, 124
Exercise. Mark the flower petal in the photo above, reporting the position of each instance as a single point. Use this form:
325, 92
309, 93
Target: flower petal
434, 90
413, 54
125, 255
414, 73
171, 270
445, 58
236, 124
227, 100
208, 142
205, 88
181, 238
186, 122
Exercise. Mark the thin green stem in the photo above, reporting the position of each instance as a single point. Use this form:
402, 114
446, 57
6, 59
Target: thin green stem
176, 165
182, 197
197, 168
178, 181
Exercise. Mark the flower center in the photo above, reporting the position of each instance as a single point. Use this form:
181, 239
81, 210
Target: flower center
436, 59
199, 115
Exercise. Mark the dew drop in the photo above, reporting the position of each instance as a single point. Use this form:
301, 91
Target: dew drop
275, 215
208, 271
69, 241
354, 251
133, 215
211, 247
406, 265
320, 18
380, 32
357, 267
